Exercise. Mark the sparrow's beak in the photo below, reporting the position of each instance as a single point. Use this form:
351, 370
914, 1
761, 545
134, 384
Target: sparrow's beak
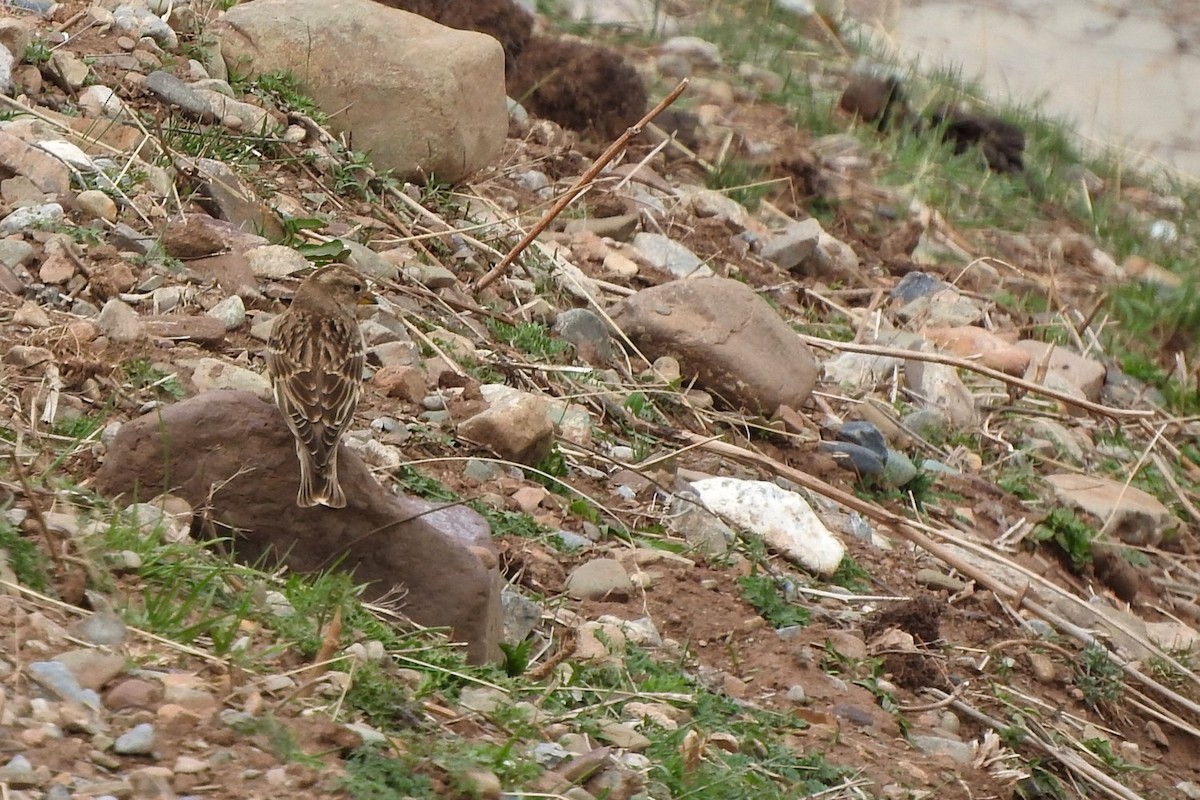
367, 299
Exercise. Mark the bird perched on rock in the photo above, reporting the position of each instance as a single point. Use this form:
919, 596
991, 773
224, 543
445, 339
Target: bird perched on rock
315, 359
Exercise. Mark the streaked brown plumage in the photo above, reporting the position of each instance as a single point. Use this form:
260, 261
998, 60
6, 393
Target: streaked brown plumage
315, 359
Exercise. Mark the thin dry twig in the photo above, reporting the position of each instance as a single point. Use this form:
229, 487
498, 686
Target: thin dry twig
960, 363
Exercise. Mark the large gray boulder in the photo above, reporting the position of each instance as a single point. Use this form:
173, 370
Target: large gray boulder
421, 98
232, 453
726, 336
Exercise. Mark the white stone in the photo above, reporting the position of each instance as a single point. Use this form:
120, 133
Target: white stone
275, 261
782, 518
101, 101
212, 373
231, 312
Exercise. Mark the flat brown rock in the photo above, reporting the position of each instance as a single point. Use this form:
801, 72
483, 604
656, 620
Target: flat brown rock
197, 328
725, 335
233, 453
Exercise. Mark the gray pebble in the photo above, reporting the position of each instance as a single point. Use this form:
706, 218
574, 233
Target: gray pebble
30, 217
854, 457
54, 677
864, 434
481, 471
918, 284
231, 312
898, 469
137, 741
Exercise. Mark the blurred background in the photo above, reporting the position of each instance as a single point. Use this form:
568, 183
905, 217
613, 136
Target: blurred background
1122, 73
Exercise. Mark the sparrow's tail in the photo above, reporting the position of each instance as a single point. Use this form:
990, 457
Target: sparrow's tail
318, 483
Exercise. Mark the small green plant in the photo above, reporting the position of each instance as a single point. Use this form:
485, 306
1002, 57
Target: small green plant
422, 485
37, 52
764, 594
850, 575
277, 737
516, 657
740, 181
531, 338
23, 557
77, 427
1102, 749
355, 176
187, 594
373, 775
1019, 480
140, 373
1099, 679
284, 90
1070, 534
555, 465
1040, 785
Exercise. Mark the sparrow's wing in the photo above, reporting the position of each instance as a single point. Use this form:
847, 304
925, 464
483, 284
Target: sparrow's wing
316, 365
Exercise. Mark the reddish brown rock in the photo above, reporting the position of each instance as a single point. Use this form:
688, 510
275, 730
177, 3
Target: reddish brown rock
1059, 363
180, 327
43, 170
726, 336
199, 235
406, 382
233, 453
111, 278
133, 693
973, 342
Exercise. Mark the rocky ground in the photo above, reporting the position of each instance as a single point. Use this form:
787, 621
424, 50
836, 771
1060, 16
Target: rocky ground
818, 461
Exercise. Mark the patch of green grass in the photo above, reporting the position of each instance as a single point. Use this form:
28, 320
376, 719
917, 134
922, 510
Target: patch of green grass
283, 90
81, 234
1099, 679
850, 575
140, 373
763, 766
1018, 479
23, 557
642, 406
199, 140
554, 465
380, 698
1102, 749
372, 774
416, 482
531, 338
276, 737
187, 593
1040, 785
510, 523
741, 181
78, 427
1070, 534
37, 52
764, 594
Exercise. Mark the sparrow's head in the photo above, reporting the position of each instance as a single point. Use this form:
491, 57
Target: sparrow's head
341, 283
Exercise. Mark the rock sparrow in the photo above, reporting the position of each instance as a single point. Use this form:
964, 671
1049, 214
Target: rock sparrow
315, 360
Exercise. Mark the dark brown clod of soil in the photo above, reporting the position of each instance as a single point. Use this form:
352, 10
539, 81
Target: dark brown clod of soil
580, 86
914, 671
921, 617
1002, 143
503, 20
879, 101
1116, 573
